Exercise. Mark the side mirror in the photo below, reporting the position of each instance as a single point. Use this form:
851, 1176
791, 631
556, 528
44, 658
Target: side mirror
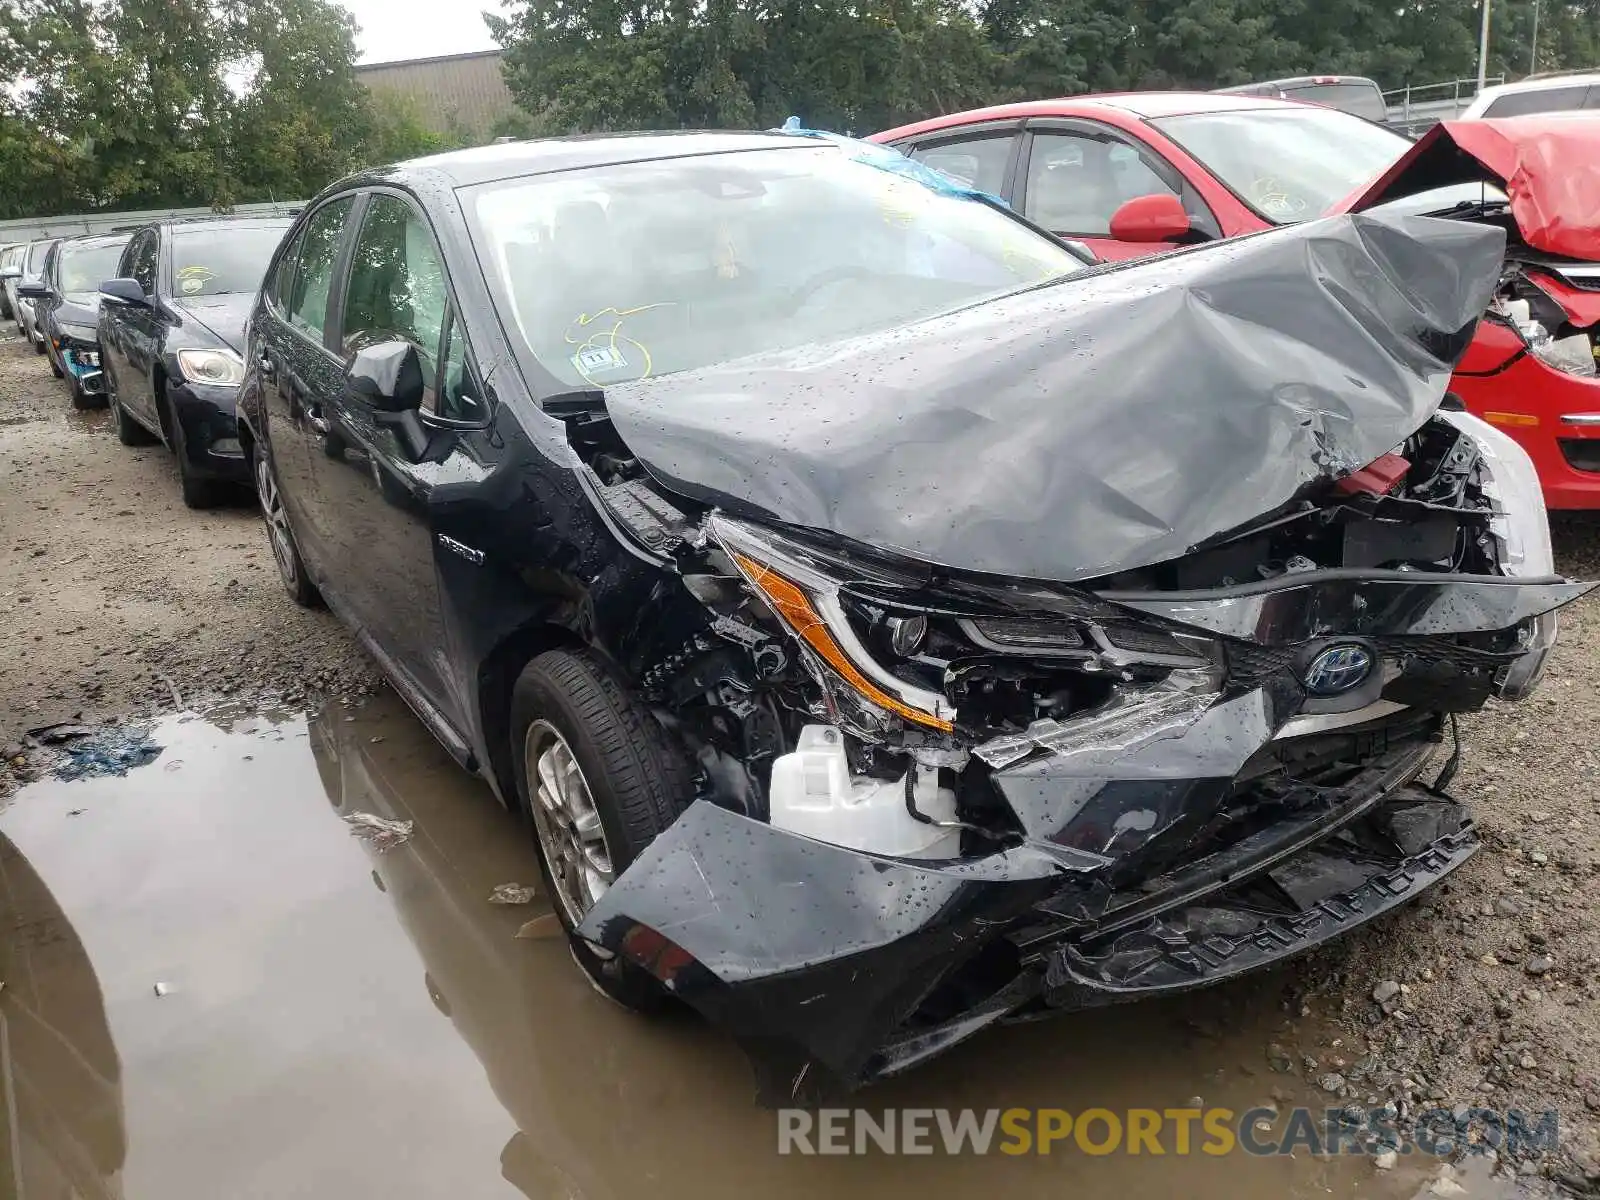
34, 291
386, 377
1154, 218
124, 291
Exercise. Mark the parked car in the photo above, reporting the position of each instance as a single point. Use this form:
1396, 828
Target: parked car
9, 256
31, 272
890, 627
10, 277
171, 335
1355, 94
1142, 173
1561, 92
66, 304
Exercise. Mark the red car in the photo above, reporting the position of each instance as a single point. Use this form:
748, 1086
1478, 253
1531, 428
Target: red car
1138, 173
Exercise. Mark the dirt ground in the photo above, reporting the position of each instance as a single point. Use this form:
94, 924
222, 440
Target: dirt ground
121, 602
119, 599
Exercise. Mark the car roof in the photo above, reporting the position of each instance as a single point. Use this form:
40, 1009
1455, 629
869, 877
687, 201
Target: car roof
543, 156
1304, 81
227, 221
1142, 105
93, 240
1548, 83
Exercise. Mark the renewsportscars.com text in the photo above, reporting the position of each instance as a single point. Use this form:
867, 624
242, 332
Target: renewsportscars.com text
1157, 1131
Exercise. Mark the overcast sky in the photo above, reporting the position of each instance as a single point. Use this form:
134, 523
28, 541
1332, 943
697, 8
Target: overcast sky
395, 29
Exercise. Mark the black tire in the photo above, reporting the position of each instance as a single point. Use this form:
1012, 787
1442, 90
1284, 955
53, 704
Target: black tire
638, 782
129, 431
198, 490
38, 343
280, 536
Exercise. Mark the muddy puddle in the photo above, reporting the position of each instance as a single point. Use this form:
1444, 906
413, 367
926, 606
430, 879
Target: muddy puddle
213, 990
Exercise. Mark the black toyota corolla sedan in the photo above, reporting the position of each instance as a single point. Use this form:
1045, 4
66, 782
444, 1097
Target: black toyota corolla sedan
171, 333
890, 626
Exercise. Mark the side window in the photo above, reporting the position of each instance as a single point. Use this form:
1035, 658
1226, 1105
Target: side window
397, 286
278, 287
459, 396
142, 260
1076, 182
977, 162
319, 247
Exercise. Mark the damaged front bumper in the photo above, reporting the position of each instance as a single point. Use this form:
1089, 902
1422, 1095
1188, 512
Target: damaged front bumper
1234, 830
835, 967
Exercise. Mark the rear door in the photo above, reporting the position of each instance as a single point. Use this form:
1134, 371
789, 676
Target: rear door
1073, 175
376, 491
299, 373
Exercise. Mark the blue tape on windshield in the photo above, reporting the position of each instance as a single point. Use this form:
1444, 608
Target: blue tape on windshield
887, 158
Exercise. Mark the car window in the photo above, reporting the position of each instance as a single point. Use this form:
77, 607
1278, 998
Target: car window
36, 253
630, 270
1076, 182
397, 287
458, 395
1361, 99
319, 247
142, 261
282, 279
1537, 100
977, 162
1290, 163
222, 260
83, 267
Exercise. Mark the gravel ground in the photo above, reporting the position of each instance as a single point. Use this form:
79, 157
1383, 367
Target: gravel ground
1499, 1001
119, 599
122, 602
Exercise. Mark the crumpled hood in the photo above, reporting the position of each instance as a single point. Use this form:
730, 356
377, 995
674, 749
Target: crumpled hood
1548, 166
1111, 421
224, 314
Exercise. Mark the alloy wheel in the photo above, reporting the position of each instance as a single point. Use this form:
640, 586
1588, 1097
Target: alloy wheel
567, 822
277, 520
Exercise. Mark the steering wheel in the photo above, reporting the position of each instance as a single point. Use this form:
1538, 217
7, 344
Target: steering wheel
827, 279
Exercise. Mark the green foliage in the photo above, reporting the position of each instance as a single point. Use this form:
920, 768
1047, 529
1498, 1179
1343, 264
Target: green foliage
127, 104
865, 64
137, 103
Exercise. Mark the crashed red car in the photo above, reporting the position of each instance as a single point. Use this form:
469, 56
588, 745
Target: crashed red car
1141, 173
1531, 367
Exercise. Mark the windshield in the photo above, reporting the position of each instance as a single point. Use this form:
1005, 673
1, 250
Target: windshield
1289, 164
85, 268
35, 261
621, 272
218, 260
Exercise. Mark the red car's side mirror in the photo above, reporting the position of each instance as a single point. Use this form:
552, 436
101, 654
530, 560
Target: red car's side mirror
1154, 218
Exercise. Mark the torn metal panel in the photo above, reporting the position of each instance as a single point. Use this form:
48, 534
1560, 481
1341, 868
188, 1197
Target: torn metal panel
1543, 161
1106, 422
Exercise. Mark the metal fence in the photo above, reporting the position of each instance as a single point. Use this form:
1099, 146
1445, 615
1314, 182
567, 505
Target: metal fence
1417, 108
28, 229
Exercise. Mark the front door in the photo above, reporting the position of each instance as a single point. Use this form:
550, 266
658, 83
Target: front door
375, 491
1074, 179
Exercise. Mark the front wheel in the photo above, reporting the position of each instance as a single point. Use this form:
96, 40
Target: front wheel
129, 432
600, 780
285, 550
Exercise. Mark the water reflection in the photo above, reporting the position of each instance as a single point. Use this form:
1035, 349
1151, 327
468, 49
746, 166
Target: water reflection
62, 1080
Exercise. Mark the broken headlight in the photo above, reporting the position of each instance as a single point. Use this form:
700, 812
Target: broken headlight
809, 604
1574, 354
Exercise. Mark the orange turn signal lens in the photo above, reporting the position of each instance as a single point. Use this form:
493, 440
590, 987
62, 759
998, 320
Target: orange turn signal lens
1508, 418
795, 607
